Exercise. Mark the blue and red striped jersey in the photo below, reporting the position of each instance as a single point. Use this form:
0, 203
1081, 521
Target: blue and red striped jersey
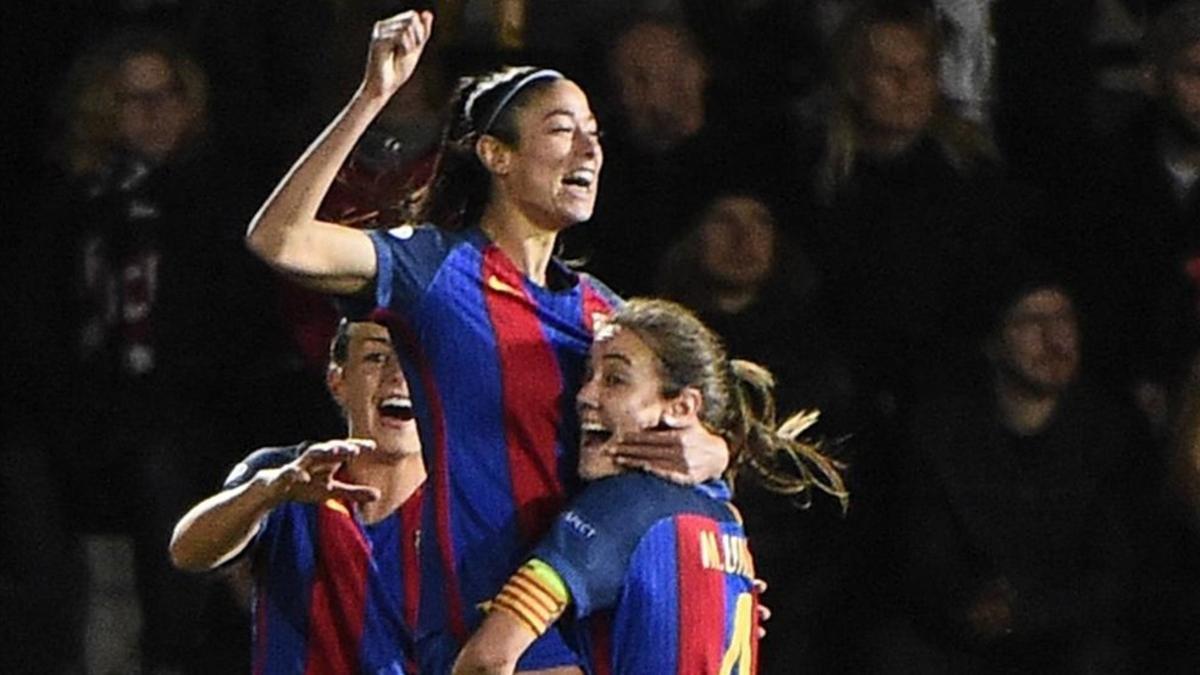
660, 575
493, 362
333, 595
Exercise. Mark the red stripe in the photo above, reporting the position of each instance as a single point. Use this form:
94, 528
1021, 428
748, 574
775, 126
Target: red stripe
337, 614
410, 531
593, 304
435, 427
701, 601
531, 388
601, 642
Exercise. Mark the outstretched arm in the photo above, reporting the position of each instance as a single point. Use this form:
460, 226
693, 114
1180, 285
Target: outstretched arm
219, 528
286, 232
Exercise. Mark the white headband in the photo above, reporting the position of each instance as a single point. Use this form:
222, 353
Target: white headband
468, 108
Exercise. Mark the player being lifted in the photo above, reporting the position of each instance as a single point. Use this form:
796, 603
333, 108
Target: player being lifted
671, 562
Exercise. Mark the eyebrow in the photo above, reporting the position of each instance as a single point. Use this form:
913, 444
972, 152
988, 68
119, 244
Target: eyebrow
568, 113
382, 341
618, 357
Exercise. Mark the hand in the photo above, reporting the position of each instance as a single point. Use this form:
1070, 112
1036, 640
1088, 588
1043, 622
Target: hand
396, 46
309, 478
687, 455
764, 612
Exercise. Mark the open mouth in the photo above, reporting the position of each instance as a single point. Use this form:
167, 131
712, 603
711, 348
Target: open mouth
593, 434
396, 408
580, 178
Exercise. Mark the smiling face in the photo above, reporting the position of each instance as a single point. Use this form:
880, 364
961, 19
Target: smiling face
552, 172
621, 393
372, 391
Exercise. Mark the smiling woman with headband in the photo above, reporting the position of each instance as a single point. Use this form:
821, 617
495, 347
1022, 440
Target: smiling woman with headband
494, 330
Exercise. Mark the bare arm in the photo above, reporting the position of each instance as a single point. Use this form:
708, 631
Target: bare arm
286, 232
220, 527
495, 647
533, 599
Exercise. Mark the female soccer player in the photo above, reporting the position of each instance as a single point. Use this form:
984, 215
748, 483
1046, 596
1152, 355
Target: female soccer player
493, 330
670, 562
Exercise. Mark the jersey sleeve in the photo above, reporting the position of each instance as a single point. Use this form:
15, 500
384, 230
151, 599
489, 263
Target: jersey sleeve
590, 543
407, 258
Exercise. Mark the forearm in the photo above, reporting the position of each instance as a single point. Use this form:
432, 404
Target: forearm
286, 232
219, 527
495, 648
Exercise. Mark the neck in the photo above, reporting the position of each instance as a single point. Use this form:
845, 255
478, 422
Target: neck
1023, 411
395, 478
528, 245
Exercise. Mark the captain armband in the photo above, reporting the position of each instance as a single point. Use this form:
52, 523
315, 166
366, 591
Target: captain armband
535, 595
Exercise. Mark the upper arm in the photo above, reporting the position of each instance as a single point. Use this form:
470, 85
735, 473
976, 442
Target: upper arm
324, 256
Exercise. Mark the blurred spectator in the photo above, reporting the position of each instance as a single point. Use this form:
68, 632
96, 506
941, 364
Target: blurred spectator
1136, 248
1015, 550
665, 151
158, 345
1170, 601
757, 291
905, 199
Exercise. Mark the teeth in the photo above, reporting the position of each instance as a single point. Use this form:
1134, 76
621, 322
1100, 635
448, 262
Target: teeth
593, 426
581, 177
396, 402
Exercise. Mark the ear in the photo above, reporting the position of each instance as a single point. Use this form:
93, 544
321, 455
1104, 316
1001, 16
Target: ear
335, 381
494, 154
684, 409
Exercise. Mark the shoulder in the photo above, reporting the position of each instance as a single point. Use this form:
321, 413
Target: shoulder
634, 502
600, 289
263, 458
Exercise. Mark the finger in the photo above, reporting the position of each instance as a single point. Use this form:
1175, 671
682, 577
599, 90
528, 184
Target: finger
395, 23
760, 586
656, 470
655, 465
764, 613
360, 494
651, 438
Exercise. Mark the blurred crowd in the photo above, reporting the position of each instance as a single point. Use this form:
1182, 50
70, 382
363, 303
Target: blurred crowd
967, 231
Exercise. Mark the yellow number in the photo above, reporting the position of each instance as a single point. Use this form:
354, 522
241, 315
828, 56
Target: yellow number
740, 654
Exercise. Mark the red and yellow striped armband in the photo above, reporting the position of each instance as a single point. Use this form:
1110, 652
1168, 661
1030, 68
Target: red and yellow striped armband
535, 595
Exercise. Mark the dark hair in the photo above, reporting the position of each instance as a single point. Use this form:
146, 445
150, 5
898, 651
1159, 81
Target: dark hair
339, 346
1175, 29
455, 195
738, 401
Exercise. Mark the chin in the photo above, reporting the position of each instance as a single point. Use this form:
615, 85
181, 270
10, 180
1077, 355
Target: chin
598, 468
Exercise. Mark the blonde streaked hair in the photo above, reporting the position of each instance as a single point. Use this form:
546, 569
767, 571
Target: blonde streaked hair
964, 142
